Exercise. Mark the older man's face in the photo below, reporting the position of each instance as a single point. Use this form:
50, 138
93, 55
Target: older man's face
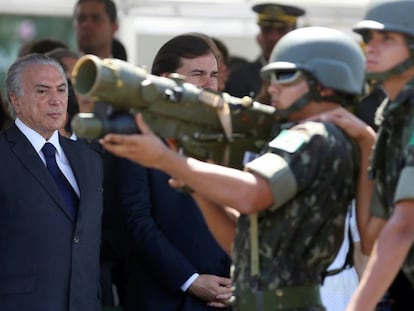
43, 104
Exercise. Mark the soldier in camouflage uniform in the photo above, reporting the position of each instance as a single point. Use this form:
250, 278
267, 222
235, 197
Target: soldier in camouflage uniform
293, 198
386, 218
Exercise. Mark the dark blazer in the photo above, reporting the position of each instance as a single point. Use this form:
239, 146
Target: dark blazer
171, 242
48, 261
245, 80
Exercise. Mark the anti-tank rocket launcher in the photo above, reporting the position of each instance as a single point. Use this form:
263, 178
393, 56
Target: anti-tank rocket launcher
205, 124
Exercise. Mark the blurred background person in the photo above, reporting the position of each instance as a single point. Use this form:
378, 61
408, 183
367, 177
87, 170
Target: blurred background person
119, 50
41, 46
95, 23
223, 64
5, 118
274, 21
66, 58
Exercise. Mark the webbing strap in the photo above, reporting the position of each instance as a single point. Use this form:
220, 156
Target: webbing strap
254, 246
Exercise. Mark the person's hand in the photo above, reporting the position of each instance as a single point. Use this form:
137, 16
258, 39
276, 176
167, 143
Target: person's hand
213, 289
352, 125
176, 183
145, 148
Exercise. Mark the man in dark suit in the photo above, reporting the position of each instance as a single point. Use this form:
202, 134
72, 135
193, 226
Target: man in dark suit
274, 20
175, 264
49, 246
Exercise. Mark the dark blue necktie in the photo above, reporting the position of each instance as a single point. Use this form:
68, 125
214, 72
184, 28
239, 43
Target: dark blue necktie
69, 195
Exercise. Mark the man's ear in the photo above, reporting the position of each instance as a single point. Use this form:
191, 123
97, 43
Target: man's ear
115, 27
14, 101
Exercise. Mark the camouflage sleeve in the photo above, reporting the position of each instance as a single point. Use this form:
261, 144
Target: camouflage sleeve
290, 165
377, 208
405, 189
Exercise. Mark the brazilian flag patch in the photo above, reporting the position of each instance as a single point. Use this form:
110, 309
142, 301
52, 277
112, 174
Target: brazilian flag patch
289, 141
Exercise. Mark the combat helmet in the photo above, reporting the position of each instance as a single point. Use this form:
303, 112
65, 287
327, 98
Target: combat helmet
390, 15
326, 56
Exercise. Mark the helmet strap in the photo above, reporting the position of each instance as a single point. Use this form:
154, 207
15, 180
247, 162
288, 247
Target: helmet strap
301, 102
312, 95
284, 114
397, 69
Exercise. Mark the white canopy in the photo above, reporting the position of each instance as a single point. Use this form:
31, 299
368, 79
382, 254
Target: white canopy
150, 22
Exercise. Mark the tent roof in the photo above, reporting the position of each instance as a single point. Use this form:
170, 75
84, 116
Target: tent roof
338, 10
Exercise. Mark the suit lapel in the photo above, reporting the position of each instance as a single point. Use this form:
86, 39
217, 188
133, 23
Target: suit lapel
29, 158
79, 167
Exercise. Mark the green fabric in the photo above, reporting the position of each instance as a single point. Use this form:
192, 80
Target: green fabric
298, 239
405, 187
273, 167
282, 299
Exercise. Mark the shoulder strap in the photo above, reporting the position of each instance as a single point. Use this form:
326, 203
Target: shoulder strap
349, 259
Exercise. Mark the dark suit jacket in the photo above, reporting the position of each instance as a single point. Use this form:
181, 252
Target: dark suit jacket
367, 107
115, 237
245, 80
48, 261
171, 242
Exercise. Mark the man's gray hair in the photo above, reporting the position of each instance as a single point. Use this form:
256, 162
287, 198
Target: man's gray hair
14, 75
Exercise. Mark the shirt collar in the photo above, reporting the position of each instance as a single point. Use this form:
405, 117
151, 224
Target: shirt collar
38, 140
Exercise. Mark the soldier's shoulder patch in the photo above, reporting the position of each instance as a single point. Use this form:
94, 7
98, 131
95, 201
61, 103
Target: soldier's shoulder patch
288, 140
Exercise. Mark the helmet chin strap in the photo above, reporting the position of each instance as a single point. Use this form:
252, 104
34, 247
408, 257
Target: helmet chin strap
284, 114
397, 69
312, 95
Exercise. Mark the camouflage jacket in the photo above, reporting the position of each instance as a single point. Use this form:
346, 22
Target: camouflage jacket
312, 171
392, 164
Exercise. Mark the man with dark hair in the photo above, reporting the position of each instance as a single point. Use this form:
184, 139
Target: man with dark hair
95, 23
118, 50
223, 64
175, 262
46, 45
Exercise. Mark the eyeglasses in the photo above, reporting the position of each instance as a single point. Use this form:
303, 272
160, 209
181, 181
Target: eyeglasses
285, 76
366, 36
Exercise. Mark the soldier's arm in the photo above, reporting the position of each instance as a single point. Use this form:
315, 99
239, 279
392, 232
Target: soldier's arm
369, 226
221, 221
360, 259
389, 252
244, 191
